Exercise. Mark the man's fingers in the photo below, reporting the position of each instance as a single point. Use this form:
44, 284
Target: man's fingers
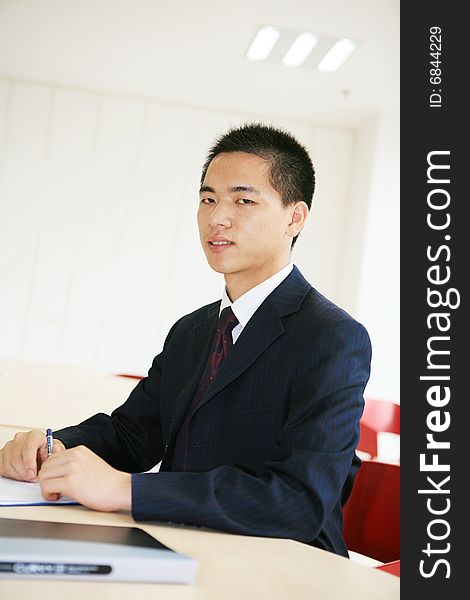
30, 454
13, 473
52, 497
19, 456
16, 459
57, 475
51, 488
6, 467
58, 447
55, 466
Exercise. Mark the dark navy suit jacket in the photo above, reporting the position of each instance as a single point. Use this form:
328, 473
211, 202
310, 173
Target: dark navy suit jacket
271, 447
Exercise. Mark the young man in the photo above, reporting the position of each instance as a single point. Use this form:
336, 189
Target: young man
255, 416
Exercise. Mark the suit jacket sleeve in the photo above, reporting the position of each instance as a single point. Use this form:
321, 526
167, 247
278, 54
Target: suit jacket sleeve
302, 484
130, 439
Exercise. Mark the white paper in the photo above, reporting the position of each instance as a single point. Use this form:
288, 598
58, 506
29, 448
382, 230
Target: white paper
22, 493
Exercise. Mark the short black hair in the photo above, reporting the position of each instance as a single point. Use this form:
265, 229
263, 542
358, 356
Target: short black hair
291, 171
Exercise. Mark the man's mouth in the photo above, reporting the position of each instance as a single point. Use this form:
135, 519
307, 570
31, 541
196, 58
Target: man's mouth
227, 243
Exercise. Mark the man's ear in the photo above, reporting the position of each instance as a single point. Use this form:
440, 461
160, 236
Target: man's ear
299, 214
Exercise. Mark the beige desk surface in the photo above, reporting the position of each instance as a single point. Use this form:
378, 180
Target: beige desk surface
43, 395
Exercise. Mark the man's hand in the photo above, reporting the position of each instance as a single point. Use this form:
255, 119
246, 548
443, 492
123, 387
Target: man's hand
83, 476
22, 457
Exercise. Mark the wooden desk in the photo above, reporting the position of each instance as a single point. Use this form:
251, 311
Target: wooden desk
43, 395
230, 566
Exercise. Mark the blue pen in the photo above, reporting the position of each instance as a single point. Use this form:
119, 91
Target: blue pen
50, 442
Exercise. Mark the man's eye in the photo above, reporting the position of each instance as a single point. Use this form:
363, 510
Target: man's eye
245, 201
207, 200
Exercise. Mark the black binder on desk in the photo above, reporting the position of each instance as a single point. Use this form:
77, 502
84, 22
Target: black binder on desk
48, 550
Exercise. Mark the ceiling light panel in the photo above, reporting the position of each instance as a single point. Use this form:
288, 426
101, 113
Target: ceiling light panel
336, 56
300, 49
263, 43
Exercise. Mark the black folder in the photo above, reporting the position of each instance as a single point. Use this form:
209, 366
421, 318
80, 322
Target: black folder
49, 550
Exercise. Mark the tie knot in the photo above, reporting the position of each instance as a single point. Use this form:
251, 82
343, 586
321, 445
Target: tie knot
227, 321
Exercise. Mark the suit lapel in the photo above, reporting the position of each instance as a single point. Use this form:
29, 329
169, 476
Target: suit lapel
203, 334
264, 327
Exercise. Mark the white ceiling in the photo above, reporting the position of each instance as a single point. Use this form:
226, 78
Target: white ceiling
193, 52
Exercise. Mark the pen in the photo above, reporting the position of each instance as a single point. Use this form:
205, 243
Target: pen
50, 442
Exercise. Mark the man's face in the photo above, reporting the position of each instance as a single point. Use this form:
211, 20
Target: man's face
242, 221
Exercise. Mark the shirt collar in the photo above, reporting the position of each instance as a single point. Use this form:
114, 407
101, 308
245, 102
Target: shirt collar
245, 306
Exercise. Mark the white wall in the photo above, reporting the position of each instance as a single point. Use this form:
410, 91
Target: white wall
375, 193
99, 252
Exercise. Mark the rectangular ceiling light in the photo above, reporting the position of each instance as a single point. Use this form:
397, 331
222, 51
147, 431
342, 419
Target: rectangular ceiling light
263, 43
300, 49
336, 56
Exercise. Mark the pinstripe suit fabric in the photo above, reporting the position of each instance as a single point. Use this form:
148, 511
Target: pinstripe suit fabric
270, 448
219, 350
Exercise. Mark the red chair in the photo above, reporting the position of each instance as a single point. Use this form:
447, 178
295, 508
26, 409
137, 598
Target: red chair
392, 567
378, 416
372, 513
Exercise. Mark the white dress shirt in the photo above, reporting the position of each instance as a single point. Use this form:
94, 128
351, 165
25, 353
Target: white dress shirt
245, 307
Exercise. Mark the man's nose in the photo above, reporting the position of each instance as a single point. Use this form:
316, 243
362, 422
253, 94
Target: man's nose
220, 215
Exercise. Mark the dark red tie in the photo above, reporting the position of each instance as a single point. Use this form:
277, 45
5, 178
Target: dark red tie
219, 350
220, 346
